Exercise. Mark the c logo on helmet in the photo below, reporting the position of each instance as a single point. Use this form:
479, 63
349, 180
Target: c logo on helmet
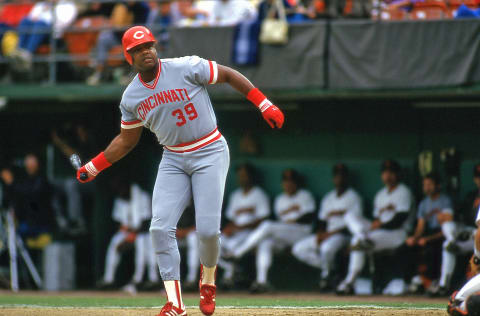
139, 35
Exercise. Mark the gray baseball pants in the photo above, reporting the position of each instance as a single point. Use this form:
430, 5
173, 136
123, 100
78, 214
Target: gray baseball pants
200, 174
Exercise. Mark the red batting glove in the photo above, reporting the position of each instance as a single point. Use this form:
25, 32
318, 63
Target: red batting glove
84, 170
93, 167
272, 114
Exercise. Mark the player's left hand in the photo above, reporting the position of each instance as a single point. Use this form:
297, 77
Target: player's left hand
84, 170
274, 116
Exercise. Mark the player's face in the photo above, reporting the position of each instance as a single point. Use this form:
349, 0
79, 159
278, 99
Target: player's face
389, 178
339, 180
289, 187
429, 186
144, 57
477, 181
243, 178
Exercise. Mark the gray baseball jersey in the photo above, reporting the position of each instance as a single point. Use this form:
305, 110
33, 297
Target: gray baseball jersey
175, 105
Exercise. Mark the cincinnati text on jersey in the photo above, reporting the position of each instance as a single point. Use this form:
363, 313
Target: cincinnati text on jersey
162, 97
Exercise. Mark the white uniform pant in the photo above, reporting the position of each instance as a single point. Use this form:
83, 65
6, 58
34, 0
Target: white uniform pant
228, 245
449, 259
320, 256
270, 236
144, 255
383, 239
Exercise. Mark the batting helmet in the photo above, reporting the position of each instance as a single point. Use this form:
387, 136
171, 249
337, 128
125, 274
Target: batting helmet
135, 36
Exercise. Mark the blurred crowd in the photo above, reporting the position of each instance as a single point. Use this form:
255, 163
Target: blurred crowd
90, 33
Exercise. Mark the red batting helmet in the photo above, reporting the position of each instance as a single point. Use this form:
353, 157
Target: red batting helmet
135, 36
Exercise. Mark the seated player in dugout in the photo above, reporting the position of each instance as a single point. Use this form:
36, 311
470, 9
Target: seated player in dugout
294, 209
248, 206
466, 301
434, 223
132, 210
319, 250
169, 97
392, 205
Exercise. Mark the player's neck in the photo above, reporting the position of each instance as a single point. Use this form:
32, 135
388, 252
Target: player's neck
149, 75
247, 188
434, 196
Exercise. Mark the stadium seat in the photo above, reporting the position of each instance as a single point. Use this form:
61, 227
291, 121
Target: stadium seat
81, 43
393, 14
429, 10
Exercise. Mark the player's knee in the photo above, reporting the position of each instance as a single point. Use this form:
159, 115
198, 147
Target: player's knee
206, 234
296, 249
162, 236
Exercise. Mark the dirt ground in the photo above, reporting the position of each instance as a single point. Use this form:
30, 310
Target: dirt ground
219, 312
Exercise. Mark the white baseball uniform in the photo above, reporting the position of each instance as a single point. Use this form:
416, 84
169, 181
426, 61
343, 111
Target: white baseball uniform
176, 107
472, 286
387, 205
132, 214
258, 201
279, 234
322, 255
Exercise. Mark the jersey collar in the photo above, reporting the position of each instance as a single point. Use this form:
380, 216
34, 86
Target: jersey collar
152, 86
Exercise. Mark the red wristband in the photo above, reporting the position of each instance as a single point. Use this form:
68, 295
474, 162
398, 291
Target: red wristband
97, 164
259, 99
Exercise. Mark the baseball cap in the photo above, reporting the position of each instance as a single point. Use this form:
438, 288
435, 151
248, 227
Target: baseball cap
476, 170
391, 165
340, 169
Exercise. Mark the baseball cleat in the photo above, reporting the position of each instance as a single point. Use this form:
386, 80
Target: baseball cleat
170, 310
345, 289
207, 299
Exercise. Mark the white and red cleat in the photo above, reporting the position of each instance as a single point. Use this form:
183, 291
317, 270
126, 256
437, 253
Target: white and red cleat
207, 295
207, 299
170, 310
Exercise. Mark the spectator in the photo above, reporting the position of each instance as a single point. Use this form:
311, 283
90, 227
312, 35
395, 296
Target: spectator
231, 12
11, 14
187, 238
188, 13
31, 199
76, 139
247, 207
319, 250
123, 14
132, 210
434, 222
392, 205
35, 28
295, 211
296, 11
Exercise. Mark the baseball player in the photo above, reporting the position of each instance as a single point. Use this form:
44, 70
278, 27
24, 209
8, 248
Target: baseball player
294, 209
319, 250
392, 205
170, 98
463, 243
466, 302
248, 206
434, 222
133, 211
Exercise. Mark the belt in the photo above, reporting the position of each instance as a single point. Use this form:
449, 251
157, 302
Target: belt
196, 144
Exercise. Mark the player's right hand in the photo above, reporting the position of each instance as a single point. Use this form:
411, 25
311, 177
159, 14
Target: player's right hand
274, 116
84, 170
